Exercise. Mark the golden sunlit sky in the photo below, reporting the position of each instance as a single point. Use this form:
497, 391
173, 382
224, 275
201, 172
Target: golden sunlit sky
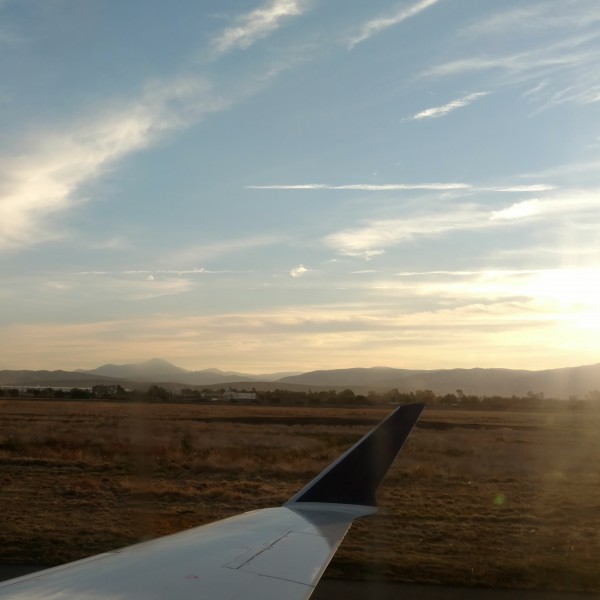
300, 184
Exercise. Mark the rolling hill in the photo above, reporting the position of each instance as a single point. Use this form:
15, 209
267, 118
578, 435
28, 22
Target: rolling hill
557, 383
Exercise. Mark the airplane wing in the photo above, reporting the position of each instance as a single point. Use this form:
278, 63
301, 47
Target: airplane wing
273, 553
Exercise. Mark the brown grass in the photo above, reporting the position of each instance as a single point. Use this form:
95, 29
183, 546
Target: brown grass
502, 499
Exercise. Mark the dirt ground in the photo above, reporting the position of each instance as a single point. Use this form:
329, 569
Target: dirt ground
495, 499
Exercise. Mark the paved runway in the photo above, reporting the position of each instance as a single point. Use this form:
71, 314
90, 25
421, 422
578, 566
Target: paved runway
364, 590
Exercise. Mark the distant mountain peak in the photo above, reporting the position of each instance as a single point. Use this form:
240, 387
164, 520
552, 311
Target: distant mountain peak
561, 383
161, 363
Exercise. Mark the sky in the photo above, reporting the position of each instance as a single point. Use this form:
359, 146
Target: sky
289, 185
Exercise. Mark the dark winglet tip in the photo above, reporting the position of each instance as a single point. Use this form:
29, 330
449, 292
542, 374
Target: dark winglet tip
354, 477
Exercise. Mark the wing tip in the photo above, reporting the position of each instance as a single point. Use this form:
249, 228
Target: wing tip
354, 477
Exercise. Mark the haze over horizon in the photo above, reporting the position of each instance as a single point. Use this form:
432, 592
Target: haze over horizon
297, 185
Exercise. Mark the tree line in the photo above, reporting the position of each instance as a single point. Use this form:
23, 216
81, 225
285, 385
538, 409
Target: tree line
345, 397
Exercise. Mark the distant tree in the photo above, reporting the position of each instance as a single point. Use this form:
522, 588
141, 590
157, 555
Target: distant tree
346, 396
576, 404
374, 398
497, 403
392, 395
449, 400
101, 391
471, 401
426, 396
156, 393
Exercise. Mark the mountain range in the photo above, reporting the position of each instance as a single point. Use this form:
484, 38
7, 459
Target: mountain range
557, 383
158, 369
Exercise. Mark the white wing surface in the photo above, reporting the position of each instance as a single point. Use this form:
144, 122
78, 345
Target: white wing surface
274, 553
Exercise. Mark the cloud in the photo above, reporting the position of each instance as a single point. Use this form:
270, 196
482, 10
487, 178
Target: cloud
556, 286
565, 53
553, 69
441, 111
128, 286
47, 177
298, 271
203, 252
535, 187
525, 61
257, 24
372, 238
364, 186
390, 187
199, 271
529, 319
375, 26
576, 251
568, 170
543, 16
45, 180
521, 210
576, 201
375, 236
577, 94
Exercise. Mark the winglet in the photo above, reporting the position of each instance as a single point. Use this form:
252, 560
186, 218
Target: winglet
355, 476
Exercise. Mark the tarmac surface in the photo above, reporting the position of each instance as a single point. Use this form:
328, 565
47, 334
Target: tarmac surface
329, 589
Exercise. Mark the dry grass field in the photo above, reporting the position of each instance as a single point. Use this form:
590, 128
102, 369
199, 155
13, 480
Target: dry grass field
499, 499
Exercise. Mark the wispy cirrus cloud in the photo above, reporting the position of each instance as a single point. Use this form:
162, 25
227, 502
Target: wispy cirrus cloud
391, 187
576, 201
211, 250
375, 236
440, 111
45, 179
197, 271
577, 252
568, 170
552, 70
124, 286
534, 187
543, 16
520, 62
375, 26
257, 24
